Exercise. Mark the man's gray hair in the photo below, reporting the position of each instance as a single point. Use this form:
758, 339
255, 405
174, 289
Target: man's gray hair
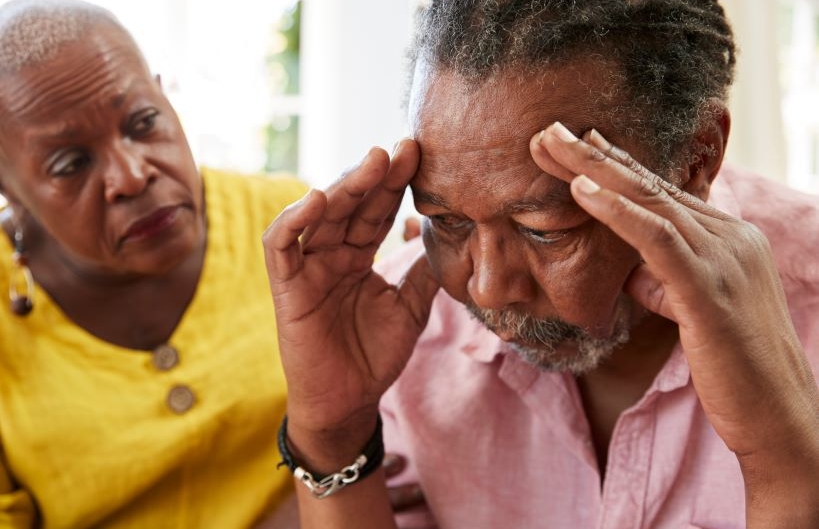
668, 58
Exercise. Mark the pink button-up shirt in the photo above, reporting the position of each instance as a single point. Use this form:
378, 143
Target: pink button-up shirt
495, 443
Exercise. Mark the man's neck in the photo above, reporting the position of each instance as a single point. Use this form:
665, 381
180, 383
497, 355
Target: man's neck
620, 381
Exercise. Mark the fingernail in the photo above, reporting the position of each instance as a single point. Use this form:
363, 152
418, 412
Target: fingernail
390, 460
586, 185
563, 133
307, 196
599, 141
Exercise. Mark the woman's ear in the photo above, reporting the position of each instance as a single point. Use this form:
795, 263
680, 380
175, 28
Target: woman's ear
708, 150
5, 190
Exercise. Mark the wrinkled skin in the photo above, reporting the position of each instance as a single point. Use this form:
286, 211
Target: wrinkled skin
505, 230
90, 148
98, 173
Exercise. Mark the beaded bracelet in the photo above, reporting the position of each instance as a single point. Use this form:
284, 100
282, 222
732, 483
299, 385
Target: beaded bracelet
321, 486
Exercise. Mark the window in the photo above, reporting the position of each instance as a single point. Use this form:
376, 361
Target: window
799, 78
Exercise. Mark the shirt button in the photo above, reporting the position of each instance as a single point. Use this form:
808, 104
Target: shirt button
165, 357
180, 399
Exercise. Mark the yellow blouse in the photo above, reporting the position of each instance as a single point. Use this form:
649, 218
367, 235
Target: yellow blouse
96, 435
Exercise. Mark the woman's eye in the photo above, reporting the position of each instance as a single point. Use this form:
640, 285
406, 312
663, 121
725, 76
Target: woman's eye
143, 122
544, 237
69, 163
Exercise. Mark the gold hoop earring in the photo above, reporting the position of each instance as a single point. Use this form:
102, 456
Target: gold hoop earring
21, 287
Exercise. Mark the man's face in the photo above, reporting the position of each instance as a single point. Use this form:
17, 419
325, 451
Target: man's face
503, 237
92, 149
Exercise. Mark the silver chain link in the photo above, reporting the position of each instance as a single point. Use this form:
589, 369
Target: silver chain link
332, 483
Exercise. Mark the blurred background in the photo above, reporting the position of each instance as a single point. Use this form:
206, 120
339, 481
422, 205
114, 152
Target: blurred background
309, 86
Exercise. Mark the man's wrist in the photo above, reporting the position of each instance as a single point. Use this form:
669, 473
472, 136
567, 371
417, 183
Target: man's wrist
325, 450
323, 485
782, 489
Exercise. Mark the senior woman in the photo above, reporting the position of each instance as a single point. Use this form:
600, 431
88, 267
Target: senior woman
136, 387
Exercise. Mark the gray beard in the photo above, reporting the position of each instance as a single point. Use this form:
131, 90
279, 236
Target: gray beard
536, 340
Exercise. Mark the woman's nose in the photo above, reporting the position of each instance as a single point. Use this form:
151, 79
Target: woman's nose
127, 173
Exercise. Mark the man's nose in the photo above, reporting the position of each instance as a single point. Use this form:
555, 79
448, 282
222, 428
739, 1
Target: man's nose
500, 273
127, 173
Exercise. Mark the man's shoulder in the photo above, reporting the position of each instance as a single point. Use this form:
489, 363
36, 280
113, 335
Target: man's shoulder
396, 261
788, 218
790, 221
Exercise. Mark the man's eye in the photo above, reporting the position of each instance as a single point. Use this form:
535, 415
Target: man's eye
143, 122
450, 223
544, 237
69, 163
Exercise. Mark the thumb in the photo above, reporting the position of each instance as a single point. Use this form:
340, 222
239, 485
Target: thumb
648, 291
418, 288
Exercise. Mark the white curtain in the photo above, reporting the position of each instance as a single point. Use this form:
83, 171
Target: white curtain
757, 139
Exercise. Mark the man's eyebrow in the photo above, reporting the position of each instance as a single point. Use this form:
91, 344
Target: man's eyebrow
560, 200
429, 198
544, 203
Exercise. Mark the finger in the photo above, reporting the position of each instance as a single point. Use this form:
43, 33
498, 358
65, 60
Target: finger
594, 138
418, 288
412, 228
545, 161
344, 197
379, 204
282, 249
405, 497
666, 253
648, 291
393, 464
384, 230
642, 187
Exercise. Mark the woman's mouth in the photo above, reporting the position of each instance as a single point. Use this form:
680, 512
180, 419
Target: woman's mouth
152, 224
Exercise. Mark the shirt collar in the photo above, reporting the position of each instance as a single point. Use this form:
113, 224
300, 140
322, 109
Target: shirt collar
722, 196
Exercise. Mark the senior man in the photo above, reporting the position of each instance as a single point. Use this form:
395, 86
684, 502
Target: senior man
614, 344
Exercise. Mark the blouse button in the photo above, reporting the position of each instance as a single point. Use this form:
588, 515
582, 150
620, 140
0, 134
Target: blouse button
180, 399
165, 357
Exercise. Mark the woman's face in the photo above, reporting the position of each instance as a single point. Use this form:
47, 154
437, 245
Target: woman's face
93, 151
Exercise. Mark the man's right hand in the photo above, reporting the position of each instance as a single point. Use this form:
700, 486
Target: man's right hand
345, 334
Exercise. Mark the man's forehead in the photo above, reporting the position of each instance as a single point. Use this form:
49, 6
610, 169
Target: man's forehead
585, 85
475, 189
474, 138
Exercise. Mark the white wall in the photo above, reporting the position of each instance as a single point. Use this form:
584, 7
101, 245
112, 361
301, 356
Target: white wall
757, 138
353, 79
353, 76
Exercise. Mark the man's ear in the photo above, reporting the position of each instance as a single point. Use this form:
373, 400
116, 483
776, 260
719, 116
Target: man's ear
708, 150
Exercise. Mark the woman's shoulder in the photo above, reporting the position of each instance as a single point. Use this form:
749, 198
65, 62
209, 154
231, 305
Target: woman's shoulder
280, 187
254, 199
